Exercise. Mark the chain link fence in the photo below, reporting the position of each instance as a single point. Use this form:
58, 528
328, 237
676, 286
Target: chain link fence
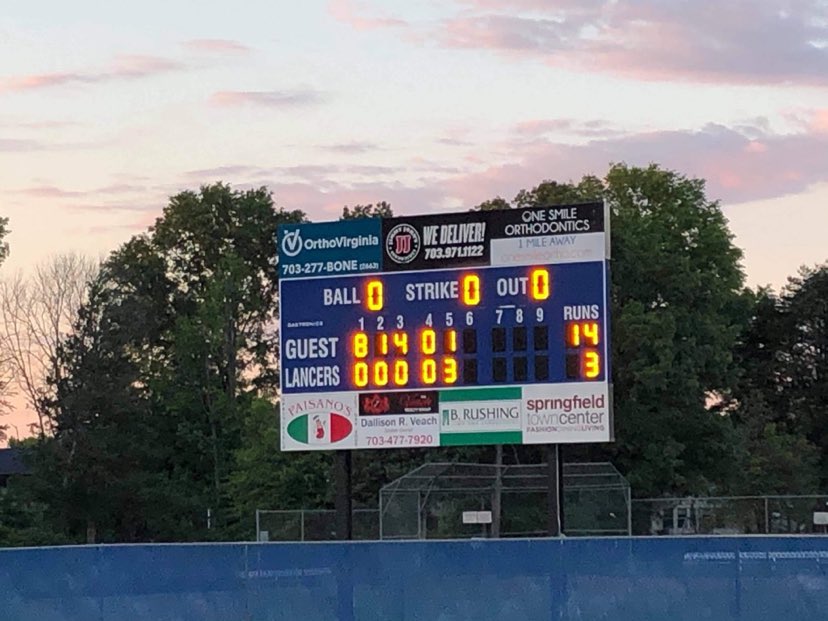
313, 525
734, 515
429, 502
593, 515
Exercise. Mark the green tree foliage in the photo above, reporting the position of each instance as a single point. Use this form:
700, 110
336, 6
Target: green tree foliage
166, 362
678, 307
371, 210
4, 233
165, 404
781, 398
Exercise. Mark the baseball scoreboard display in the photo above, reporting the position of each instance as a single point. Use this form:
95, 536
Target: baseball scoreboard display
445, 330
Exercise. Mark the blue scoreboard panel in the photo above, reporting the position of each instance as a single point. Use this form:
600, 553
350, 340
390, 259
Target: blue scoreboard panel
471, 328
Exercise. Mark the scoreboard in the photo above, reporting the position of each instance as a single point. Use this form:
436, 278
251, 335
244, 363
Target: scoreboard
457, 329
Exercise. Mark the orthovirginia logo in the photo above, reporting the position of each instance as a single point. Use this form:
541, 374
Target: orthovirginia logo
292, 243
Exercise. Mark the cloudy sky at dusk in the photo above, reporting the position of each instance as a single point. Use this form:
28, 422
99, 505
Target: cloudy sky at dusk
108, 108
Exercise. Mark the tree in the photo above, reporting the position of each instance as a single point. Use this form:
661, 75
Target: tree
37, 312
179, 324
6, 360
371, 210
678, 306
785, 364
266, 478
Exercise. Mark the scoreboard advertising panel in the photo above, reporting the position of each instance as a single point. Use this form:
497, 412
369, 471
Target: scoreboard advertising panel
446, 330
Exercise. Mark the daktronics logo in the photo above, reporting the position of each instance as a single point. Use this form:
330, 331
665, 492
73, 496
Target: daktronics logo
293, 243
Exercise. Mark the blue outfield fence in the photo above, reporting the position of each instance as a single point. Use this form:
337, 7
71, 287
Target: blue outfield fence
647, 579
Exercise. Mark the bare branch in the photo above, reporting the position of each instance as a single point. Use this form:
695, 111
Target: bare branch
36, 313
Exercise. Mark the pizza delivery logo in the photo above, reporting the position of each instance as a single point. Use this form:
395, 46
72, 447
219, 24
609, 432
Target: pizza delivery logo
321, 421
403, 244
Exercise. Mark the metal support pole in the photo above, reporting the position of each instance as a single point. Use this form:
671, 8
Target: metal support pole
302, 525
342, 495
258, 526
629, 511
767, 517
419, 516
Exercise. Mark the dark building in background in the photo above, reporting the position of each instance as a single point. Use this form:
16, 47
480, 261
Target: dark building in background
11, 462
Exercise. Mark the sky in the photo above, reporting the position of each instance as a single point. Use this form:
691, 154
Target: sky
107, 109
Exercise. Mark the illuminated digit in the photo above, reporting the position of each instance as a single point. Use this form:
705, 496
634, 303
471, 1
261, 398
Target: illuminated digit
361, 374
449, 370
380, 373
590, 331
381, 344
470, 288
360, 345
401, 342
450, 341
428, 369
591, 364
539, 284
428, 341
401, 372
574, 334
373, 295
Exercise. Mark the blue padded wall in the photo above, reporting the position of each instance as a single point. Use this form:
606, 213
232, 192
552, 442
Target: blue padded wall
647, 579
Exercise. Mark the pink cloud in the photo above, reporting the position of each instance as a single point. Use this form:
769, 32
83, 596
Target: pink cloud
741, 41
216, 46
48, 191
735, 172
124, 67
819, 121
16, 145
735, 168
349, 12
271, 99
573, 127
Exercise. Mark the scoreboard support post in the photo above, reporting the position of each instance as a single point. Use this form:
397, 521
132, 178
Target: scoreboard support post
554, 464
342, 495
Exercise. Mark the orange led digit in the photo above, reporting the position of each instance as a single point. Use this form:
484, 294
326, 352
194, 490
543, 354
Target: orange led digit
449, 370
428, 371
590, 331
591, 364
381, 344
450, 341
400, 372
360, 345
470, 289
380, 373
401, 342
574, 334
539, 284
373, 295
361, 374
428, 341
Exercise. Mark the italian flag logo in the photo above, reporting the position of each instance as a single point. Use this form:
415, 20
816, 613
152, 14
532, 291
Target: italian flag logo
319, 428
